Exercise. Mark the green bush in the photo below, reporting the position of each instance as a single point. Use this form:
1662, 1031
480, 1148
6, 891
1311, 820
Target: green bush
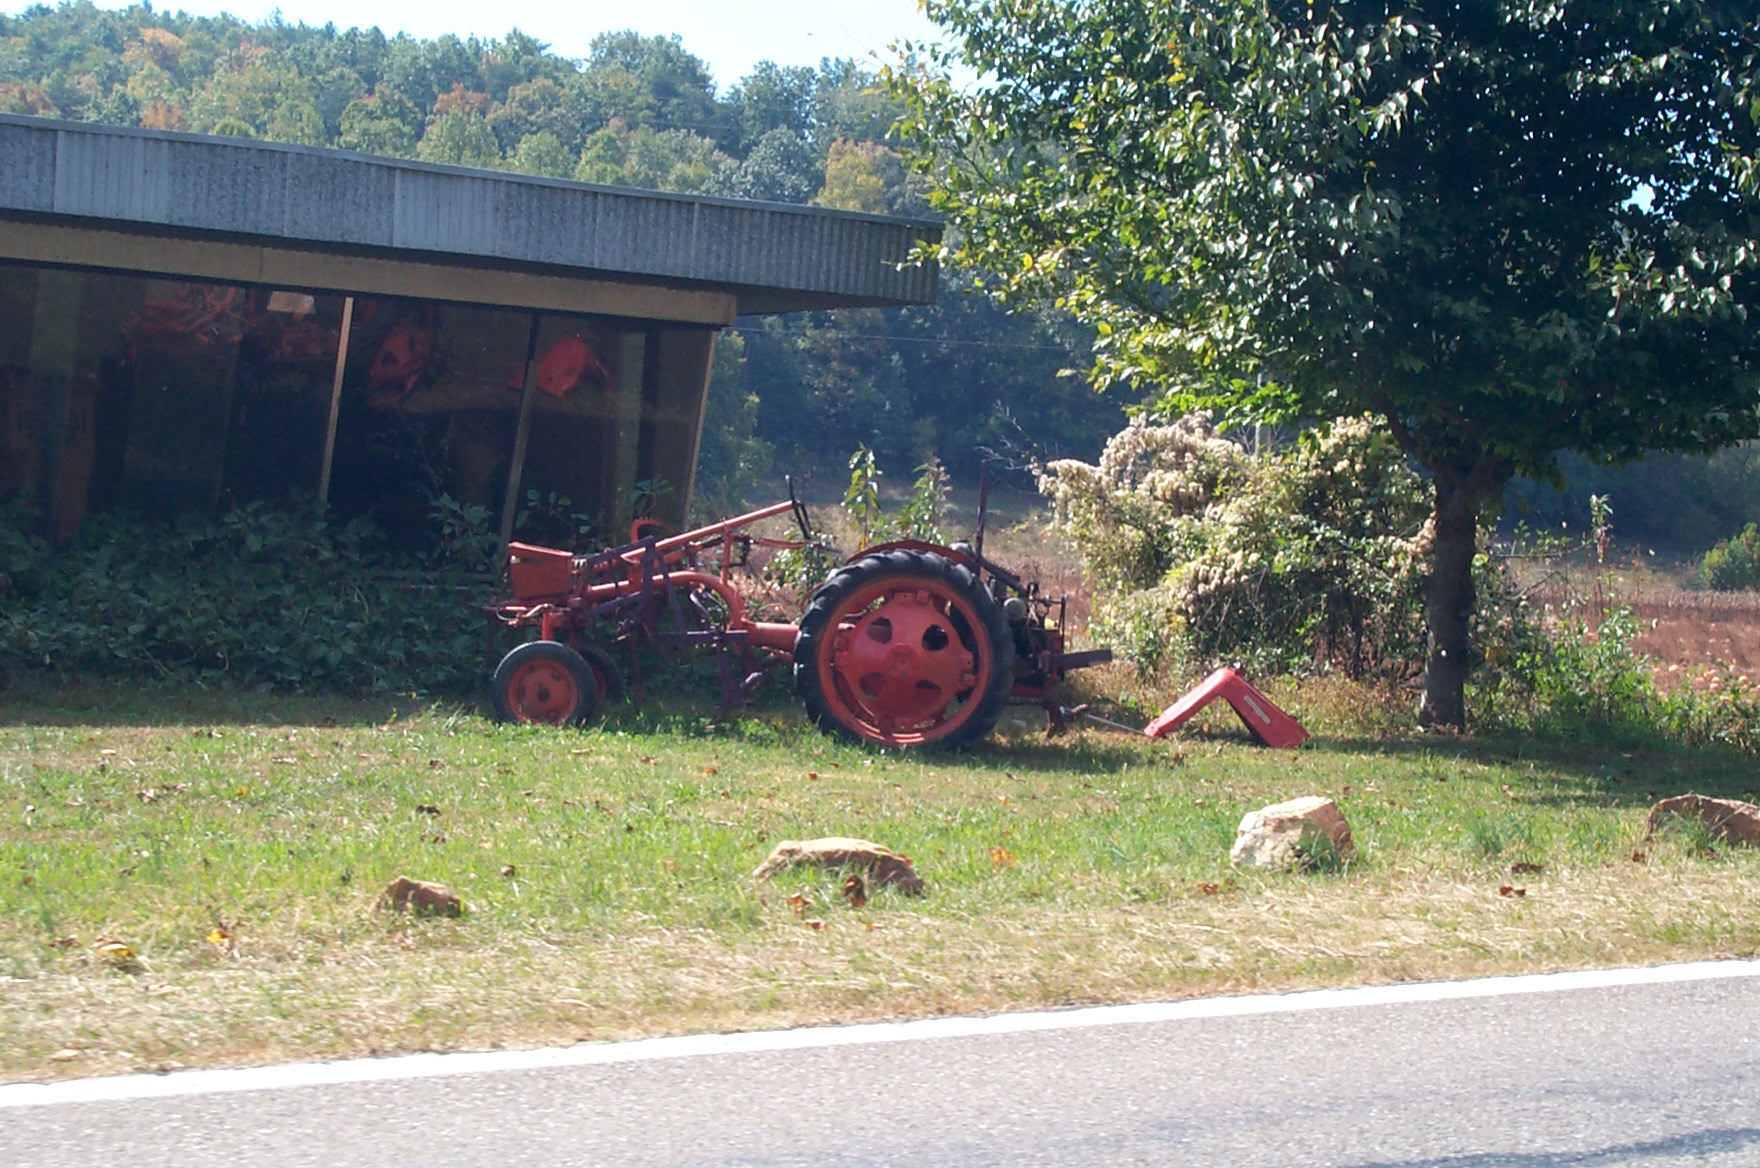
1588, 679
1734, 564
253, 597
1310, 556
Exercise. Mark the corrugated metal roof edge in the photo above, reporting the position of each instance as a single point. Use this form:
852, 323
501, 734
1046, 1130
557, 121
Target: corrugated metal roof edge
806, 210
750, 298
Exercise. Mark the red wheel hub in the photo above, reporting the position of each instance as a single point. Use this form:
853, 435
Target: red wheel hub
903, 660
543, 691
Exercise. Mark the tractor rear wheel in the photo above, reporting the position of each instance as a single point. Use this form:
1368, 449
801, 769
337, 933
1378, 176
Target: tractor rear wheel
544, 682
904, 648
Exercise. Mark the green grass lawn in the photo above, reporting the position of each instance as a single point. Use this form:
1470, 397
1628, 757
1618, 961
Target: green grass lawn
605, 872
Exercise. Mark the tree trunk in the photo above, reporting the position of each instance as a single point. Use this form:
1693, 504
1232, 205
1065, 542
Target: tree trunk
1448, 603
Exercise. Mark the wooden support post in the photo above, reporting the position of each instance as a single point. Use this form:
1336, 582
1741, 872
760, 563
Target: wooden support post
510, 504
335, 400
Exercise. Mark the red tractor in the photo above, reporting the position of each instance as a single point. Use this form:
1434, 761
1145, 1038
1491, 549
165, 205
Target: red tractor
908, 644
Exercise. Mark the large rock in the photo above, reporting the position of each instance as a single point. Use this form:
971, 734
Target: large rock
883, 865
1292, 835
1729, 820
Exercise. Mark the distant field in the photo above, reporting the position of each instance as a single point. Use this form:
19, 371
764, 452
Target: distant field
606, 872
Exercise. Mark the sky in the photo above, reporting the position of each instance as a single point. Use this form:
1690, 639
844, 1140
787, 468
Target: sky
731, 35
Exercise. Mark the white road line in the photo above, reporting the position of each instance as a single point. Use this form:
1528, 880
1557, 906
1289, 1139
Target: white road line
427, 1066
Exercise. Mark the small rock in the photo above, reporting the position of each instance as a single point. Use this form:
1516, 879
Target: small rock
66, 1055
883, 865
1292, 834
1726, 819
420, 897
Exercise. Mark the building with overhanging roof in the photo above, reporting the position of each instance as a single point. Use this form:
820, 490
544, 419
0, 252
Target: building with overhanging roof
190, 323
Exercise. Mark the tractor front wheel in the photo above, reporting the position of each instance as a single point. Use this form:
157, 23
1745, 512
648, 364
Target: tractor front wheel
545, 682
904, 648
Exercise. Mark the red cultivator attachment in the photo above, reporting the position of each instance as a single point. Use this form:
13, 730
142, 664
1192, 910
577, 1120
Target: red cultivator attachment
1268, 725
908, 644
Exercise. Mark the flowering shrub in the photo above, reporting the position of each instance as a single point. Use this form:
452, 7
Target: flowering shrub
1308, 556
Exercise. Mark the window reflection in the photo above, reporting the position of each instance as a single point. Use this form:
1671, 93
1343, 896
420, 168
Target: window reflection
160, 397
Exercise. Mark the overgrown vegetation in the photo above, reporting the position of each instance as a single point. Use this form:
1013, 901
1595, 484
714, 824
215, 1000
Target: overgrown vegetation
1302, 558
254, 597
1308, 559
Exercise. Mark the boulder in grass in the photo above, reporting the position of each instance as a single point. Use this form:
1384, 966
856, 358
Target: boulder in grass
421, 897
1729, 820
883, 865
1293, 834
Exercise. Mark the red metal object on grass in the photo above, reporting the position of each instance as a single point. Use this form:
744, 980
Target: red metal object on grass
1268, 725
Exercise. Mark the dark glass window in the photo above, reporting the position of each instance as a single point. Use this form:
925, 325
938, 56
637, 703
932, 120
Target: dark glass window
159, 397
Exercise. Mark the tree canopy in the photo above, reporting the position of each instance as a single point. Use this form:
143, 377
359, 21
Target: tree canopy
1507, 228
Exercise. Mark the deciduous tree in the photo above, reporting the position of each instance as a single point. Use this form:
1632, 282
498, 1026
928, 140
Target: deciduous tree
1506, 227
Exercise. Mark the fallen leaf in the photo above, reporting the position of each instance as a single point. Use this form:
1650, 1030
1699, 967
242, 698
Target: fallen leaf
242, 791
1208, 888
1002, 857
1511, 890
651, 761
147, 795
435, 764
799, 903
872, 925
855, 891
812, 776
669, 865
814, 924
709, 770
66, 943
1639, 857
509, 871
427, 809
1524, 868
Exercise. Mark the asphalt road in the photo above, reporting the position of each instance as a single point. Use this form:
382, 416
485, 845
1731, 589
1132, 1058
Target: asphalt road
1664, 1074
